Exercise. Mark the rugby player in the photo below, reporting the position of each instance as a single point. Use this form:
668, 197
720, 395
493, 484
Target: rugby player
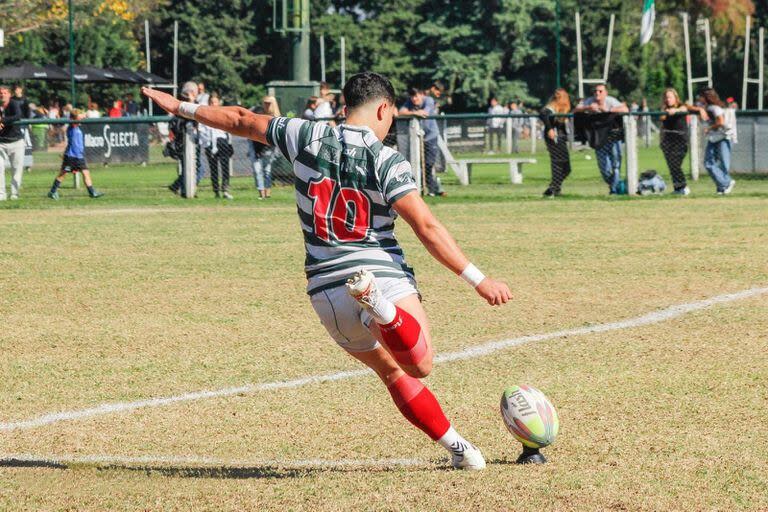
349, 190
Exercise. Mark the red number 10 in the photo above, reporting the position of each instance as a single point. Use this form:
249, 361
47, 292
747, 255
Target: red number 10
339, 214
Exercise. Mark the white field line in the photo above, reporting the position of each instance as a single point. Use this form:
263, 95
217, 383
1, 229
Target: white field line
191, 462
470, 353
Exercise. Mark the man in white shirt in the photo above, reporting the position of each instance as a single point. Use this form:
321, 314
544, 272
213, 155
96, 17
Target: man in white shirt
495, 125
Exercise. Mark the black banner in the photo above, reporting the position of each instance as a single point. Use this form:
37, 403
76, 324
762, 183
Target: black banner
116, 143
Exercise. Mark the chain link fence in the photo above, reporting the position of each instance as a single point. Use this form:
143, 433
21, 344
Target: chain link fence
648, 142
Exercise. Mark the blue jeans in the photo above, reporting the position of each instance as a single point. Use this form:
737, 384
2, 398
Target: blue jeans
717, 160
261, 167
609, 163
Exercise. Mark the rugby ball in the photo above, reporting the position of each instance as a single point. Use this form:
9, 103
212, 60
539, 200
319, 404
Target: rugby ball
529, 416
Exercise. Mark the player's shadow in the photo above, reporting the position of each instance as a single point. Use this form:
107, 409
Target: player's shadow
215, 472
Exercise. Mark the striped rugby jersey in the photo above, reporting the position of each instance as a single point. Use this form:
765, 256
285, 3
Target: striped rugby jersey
346, 181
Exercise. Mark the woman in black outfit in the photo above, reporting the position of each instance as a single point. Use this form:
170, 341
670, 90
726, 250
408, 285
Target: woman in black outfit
674, 138
556, 138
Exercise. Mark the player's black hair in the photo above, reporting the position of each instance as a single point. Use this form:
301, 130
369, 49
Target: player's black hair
365, 87
414, 91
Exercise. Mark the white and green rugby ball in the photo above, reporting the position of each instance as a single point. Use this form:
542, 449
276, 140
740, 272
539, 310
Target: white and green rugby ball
529, 416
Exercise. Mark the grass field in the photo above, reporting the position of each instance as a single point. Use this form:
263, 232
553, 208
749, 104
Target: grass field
142, 295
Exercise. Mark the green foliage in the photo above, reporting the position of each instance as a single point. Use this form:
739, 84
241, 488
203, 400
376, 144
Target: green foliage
475, 47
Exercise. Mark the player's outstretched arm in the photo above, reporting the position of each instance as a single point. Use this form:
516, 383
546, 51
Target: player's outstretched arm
234, 120
441, 245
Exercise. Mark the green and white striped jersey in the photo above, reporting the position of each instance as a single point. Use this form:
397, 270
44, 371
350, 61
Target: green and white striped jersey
346, 181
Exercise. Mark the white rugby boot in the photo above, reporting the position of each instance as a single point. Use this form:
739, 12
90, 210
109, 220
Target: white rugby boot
362, 287
466, 456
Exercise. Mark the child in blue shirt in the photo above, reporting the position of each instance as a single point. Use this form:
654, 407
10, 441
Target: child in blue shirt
74, 158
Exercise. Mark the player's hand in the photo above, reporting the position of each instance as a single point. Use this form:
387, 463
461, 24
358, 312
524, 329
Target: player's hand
551, 134
163, 100
495, 292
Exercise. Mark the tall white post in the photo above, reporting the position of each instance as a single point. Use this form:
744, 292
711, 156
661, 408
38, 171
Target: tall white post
578, 56
414, 152
508, 126
608, 49
190, 165
708, 46
175, 59
532, 121
761, 68
745, 82
148, 59
343, 62
630, 135
694, 154
687, 39
322, 58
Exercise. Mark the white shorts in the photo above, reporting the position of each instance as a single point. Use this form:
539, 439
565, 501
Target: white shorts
347, 321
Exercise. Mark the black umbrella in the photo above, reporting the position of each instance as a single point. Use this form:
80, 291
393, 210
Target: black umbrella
151, 78
123, 75
92, 74
27, 71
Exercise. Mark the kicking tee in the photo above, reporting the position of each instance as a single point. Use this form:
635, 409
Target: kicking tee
346, 181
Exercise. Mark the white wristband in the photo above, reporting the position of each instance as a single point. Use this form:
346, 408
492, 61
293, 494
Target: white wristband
472, 275
187, 109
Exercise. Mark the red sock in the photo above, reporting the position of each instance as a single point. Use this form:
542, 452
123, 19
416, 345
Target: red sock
417, 403
404, 338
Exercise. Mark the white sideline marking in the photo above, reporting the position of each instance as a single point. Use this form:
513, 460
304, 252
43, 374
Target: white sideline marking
207, 462
469, 353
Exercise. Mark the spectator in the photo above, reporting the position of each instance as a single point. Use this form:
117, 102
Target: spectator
218, 151
608, 145
436, 91
178, 128
517, 125
263, 156
93, 110
12, 144
309, 109
423, 106
324, 110
674, 138
720, 133
18, 96
202, 98
131, 107
556, 139
74, 159
117, 109
495, 125
56, 130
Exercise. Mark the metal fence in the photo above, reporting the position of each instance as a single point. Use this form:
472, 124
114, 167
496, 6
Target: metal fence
515, 140
464, 140
139, 142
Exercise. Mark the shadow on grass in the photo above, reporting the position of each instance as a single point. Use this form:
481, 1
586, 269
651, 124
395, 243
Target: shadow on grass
226, 472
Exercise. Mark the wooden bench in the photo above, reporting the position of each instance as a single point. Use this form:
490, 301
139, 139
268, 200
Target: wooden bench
515, 166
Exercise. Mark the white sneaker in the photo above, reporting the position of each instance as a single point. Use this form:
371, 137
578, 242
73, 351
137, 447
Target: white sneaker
730, 186
362, 288
14, 197
227, 195
467, 456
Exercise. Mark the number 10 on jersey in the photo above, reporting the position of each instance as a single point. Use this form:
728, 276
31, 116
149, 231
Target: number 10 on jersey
339, 213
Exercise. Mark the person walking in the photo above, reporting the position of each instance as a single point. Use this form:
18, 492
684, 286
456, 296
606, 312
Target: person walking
74, 158
518, 124
11, 142
556, 139
720, 134
674, 138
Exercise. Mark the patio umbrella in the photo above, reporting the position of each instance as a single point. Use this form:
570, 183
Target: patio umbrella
27, 71
92, 74
151, 78
123, 75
